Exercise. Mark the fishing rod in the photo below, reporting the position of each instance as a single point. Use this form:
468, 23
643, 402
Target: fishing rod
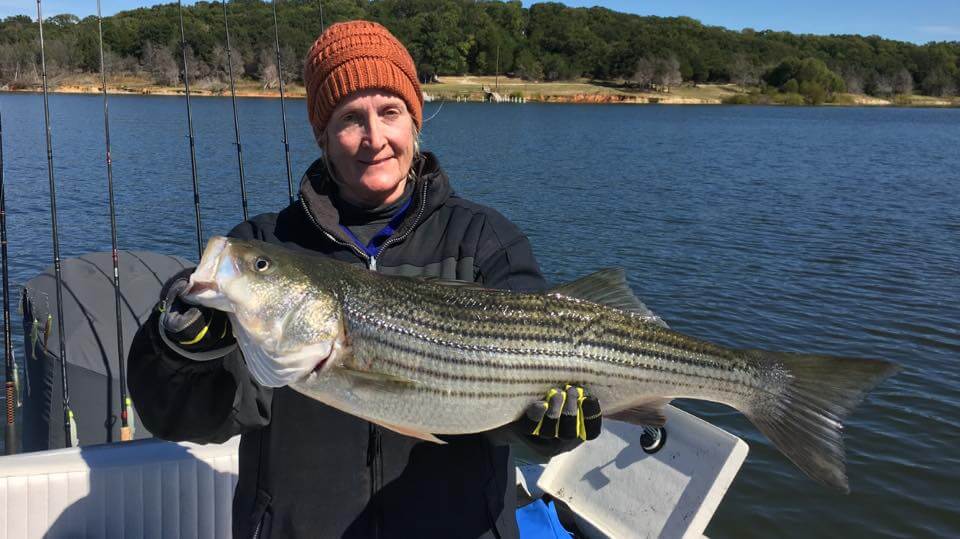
193, 144
126, 430
283, 104
69, 428
320, 6
10, 438
236, 122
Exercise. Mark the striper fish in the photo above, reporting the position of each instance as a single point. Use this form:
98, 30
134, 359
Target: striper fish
426, 357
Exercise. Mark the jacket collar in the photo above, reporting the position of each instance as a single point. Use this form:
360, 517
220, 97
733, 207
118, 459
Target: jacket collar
431, 191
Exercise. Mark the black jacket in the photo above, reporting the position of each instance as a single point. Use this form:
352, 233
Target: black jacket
308, 470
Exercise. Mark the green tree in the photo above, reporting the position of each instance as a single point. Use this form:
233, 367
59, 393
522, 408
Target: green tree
528, 67
460, 36
793, 75
812, 92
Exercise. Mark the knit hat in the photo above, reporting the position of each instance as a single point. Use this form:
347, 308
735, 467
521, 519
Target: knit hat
353, 56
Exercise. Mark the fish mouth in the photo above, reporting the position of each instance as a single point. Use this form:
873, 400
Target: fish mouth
197, 288
203, 283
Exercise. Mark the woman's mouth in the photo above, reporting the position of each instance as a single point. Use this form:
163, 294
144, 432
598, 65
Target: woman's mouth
375, 162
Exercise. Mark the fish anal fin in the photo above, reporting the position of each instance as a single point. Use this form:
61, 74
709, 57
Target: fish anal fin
648, 412
607, 287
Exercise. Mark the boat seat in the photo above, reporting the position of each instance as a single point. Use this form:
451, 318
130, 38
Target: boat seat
145, 488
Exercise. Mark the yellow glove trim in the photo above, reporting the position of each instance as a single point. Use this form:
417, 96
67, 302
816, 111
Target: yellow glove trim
581, 421
536, 431
198, 338
556, 430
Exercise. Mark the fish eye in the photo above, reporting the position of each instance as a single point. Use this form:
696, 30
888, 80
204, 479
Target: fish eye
261, 264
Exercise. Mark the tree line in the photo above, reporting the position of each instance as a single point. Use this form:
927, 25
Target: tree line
546, 42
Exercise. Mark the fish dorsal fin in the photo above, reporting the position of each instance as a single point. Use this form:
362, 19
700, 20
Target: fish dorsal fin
608, 287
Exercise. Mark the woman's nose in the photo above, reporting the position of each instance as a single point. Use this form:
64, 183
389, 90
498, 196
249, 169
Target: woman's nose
375, 136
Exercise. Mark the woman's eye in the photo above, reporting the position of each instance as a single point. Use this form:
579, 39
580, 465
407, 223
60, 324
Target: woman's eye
261, 264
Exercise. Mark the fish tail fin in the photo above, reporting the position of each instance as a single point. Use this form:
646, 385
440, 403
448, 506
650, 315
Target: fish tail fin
808, 398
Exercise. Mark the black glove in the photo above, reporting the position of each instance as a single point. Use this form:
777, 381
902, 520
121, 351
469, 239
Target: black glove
565, 414
193, 329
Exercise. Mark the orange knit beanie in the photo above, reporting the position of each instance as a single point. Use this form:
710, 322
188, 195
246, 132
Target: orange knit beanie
353, 56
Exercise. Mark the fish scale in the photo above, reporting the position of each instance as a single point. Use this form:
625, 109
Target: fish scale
424, 357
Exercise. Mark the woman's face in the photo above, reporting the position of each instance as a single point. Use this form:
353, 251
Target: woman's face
369, 141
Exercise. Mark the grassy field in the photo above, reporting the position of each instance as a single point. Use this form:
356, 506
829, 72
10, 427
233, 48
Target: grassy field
471, 84
472, 87
89, 83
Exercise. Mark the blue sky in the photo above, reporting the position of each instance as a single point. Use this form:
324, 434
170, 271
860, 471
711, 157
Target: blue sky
918, 21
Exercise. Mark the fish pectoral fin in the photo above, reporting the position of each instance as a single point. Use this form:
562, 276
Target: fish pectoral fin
608, 287
386, 382
425, 436
648, 412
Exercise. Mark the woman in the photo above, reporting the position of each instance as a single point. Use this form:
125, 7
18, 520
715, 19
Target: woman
374, 199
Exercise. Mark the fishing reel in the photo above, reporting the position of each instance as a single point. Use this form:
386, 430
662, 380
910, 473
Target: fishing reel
653, 439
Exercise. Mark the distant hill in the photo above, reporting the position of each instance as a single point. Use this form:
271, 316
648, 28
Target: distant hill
546, 42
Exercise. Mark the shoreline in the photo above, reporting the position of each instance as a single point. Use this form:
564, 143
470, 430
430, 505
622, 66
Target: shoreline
484, 89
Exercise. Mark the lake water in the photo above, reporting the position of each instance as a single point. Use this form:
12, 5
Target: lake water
824, 230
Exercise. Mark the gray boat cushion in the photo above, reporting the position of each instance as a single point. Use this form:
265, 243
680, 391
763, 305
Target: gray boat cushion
91, 342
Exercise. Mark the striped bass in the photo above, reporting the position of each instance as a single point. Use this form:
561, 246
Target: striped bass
423, 357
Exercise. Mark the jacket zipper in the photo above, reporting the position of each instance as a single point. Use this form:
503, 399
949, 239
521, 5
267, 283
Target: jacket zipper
371, 261
375, 464
256, 531
372, 264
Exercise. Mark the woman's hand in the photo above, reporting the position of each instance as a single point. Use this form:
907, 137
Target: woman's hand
192, 329
564, 414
